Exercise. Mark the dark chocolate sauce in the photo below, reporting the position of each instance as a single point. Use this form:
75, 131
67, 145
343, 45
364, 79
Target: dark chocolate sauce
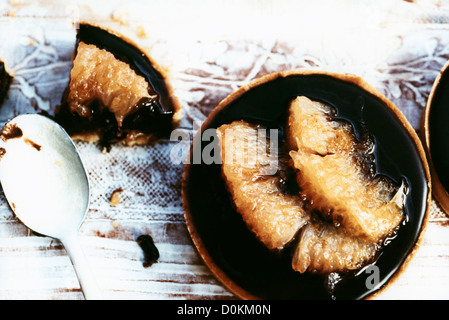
150, 117
236, 251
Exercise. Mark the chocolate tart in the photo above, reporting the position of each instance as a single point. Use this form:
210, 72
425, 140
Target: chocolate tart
231, 251
5, 81
117, 92
434, 132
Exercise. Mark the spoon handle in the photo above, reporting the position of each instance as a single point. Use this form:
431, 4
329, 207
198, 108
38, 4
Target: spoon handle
86, 279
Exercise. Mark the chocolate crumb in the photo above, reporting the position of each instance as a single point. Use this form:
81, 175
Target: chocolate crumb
2, 152
151, 253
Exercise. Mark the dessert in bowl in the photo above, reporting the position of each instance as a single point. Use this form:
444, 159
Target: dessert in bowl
337, 196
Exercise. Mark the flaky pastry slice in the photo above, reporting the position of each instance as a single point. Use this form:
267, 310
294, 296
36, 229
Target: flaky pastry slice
332, 174
323, 248
256, 189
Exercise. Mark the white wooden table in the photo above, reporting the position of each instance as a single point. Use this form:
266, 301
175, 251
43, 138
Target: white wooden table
211, 49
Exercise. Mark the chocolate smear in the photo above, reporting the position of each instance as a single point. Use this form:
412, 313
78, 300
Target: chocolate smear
11, 131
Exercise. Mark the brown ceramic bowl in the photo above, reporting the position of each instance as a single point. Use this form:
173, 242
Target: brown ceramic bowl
230, 250
435, 135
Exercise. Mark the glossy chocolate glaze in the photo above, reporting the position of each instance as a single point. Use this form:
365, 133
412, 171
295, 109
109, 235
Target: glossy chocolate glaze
439, 129
268, 275
152, 116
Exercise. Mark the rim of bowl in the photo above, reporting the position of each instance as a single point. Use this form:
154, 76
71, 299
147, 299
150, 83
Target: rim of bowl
440, 193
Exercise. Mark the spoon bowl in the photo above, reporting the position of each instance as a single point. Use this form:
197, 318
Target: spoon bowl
46, 185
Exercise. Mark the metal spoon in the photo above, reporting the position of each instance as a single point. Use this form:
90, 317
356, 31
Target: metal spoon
46, 185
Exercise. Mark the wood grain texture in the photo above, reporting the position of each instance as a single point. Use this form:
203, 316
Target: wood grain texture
399, 50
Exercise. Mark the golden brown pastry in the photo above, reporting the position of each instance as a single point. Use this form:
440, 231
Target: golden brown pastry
110, 81
323, 248
330, 173
256, 190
